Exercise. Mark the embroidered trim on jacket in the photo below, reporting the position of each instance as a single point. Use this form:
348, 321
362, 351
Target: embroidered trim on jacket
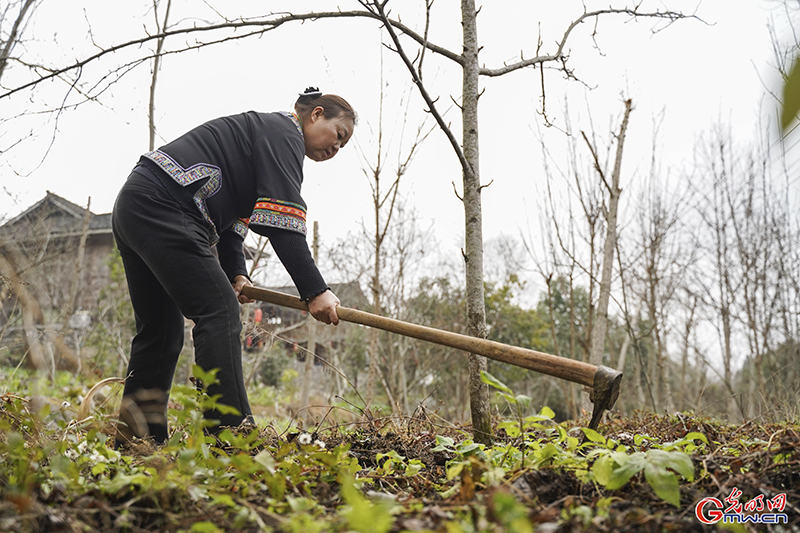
293, 117
187, 176
279, 214
240, 226
183, 176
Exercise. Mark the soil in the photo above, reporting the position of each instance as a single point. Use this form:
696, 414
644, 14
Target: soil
755, 459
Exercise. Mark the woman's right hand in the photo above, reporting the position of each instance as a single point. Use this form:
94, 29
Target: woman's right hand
323, 307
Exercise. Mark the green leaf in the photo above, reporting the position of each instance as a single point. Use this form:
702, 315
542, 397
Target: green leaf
548, 452
468, 448
508, 397
362, 514
300, 505
593, 435
694, 435
224, 499
122, 481
205, 527
686, 444
630, 466
226, 436
454, 470
265, 459
511, 427
444, 444
602, 469
392, 454
791, 96
414, 467
61, 465
664, 483
572, 443
523, 400
547, 413
494, 382
206, 378
511, 513
678, 461
222, 408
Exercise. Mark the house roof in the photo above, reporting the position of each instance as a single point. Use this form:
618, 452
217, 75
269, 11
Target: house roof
66, 217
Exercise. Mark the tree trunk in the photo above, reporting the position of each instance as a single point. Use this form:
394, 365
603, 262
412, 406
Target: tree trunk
566, 386
30, 308
662, 379
75, 282
375, 286
629, 333
311, 344
160, 28
601, 316
687, 333
473, 254
32, 314
14, 37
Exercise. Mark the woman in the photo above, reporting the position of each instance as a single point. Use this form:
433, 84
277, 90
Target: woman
180, 221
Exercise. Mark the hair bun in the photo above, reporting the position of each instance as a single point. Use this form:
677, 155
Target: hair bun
311, 92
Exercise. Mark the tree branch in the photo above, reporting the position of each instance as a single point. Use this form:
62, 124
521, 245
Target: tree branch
156, 66
672, 16
265, 24
596, 160
13, 37
378, 8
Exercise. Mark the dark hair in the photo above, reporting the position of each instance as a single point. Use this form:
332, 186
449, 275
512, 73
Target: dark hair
333, 105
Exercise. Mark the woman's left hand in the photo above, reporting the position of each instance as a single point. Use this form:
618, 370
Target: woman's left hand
323, 307
240, 282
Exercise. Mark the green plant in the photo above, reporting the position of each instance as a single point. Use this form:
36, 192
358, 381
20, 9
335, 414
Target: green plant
253, 479
613, 469
610, 464
363, 515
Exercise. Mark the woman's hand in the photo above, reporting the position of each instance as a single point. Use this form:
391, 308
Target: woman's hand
239, 282
323, 307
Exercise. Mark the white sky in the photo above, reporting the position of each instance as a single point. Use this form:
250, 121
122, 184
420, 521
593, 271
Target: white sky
697, 73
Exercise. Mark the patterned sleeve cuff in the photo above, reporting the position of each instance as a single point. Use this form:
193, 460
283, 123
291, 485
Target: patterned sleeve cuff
280, 214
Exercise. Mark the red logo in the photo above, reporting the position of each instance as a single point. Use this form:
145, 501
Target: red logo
710, 510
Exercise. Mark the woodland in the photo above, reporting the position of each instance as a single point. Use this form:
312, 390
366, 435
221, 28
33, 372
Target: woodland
685, 280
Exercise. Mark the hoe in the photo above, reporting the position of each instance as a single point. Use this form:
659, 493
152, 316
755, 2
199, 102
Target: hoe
603, 381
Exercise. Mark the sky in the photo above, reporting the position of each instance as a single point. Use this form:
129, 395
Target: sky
687, 76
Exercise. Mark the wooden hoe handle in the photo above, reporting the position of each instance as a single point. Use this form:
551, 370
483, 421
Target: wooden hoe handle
603, 380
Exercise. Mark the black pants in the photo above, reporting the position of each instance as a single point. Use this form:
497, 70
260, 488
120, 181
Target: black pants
172, 273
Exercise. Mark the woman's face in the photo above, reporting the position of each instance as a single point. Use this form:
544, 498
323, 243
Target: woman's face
324, 137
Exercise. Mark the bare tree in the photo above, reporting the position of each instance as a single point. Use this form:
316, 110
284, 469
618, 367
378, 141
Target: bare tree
386, 250
385, 203
613, 189
747, 221
721, 288
579, 248
661, 273
311, 342
13, 18
15, 267
468, 154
